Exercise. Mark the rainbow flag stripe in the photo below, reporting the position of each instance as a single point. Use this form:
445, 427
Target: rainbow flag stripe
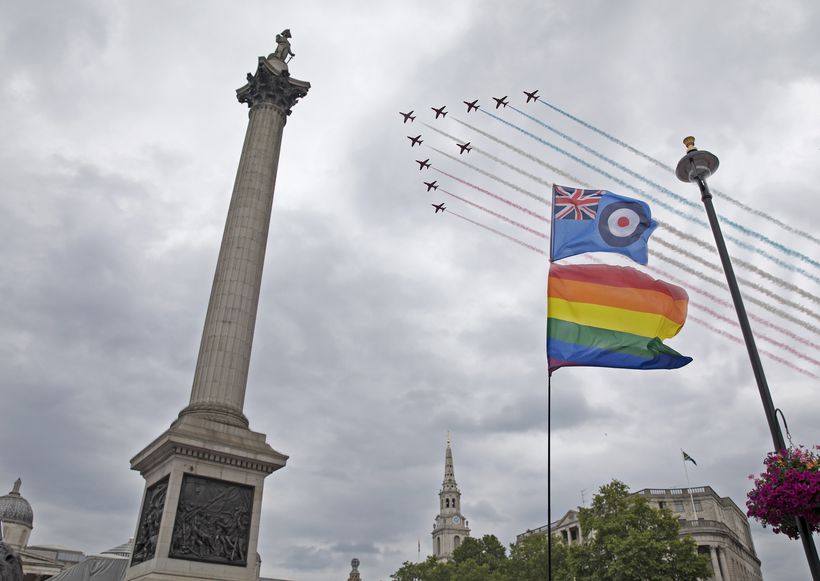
612, 316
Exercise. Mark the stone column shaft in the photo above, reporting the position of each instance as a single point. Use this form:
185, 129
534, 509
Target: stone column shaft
715, 566
221, 372
205, 474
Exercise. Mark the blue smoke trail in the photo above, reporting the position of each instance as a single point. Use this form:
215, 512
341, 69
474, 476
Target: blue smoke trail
668, 192
668, 168
520, 152
657, 201
496, 214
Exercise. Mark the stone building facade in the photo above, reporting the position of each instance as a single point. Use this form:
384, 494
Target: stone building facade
720, 529
39, 561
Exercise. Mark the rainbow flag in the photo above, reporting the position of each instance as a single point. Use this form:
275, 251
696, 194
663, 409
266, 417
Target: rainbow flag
612, 316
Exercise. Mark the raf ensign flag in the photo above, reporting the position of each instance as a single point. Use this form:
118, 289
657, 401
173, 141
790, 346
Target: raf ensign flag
599, 221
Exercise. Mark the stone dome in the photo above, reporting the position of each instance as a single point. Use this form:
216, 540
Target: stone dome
16, 509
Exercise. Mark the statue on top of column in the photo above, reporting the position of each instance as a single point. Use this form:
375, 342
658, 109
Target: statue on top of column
283, 51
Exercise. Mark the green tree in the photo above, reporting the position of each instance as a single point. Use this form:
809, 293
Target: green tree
429, 570
483, 559
487, 550
626, 538
528, 559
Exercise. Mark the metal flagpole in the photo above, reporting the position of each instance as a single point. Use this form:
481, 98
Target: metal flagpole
689, 486
549, 476
696, 166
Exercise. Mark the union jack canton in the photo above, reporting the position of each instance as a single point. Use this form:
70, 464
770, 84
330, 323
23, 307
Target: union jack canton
575, 204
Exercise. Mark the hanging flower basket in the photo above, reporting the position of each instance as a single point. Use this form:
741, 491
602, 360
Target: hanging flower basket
789, 488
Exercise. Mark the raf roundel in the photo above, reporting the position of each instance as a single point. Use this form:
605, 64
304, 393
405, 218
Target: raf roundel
622, 223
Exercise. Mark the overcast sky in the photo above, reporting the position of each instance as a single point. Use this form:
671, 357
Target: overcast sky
382, 326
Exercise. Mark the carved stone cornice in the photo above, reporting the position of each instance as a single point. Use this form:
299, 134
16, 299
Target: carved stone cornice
272, 85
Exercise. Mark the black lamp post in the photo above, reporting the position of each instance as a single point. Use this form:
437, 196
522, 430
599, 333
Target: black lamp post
696, 166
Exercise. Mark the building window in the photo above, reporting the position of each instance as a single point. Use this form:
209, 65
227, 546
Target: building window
573, 533
678, 506
447, 503
564, 534
698, 506
661, 504
456, 541
438, 546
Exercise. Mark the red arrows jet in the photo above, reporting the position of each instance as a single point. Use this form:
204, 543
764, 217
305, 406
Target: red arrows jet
417, 140
464, 147
431, 185
501, 101
471, 105
532, 96
440, 112
423, 164
407, 117
439, 207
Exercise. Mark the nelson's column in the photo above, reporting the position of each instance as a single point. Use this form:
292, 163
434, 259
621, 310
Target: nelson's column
204, 475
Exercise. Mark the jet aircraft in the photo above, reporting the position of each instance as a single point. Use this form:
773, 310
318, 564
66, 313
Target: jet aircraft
440, 112
532, 96
439, 207
423, 164
431, 185
471, 105
501, 101
417, 140
407, 117
464, 147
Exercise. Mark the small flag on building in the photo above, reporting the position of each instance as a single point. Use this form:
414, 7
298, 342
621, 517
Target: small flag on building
599, 221
688, 457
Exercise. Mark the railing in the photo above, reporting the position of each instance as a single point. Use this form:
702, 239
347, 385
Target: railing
675, 491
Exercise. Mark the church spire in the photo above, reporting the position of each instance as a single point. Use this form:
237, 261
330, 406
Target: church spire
450, 527
449, 482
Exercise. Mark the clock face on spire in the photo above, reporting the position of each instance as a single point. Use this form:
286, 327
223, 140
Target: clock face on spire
456, 519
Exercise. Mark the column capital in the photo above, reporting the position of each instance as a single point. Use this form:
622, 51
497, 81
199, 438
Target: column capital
272, 85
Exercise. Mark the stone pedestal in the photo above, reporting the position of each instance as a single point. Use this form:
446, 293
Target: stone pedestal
201, 509
200, 514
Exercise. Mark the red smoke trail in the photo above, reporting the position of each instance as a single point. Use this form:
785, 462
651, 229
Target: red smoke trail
740, 341
727, 304
705, 293
496, 214
494, 231
500, 180
496, 196
754, 300
691, 317
763, 290
775, 342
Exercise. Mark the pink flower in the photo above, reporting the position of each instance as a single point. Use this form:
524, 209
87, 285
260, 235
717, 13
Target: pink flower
789, 488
